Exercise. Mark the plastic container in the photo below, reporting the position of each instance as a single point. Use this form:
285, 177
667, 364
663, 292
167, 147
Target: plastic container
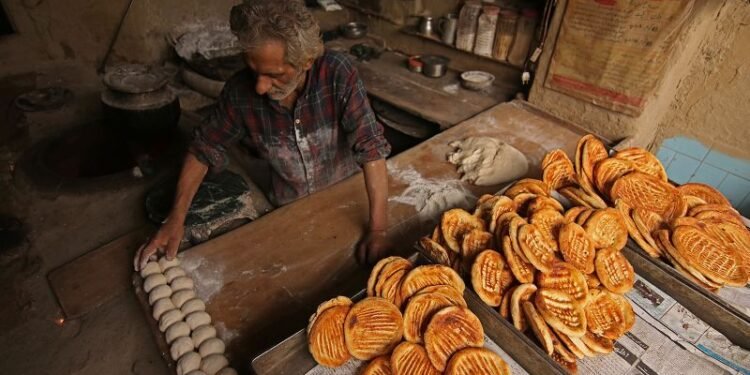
506, 32
486, 27
467, 25
524, 36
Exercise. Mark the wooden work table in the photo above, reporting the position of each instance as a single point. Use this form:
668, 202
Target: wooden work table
265, 278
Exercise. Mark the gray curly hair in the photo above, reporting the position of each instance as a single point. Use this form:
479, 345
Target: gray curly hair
257, 21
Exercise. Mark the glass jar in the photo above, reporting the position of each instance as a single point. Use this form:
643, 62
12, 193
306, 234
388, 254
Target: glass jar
467, 25
506, 31
524, 36
486, 27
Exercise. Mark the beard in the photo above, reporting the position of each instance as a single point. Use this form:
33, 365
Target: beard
279, 93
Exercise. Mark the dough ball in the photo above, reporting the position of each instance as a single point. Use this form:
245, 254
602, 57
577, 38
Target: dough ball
176, 331
211, 346
197, 319
196, 372
161, 291
174, 273
161, 306
153, 281
189, 362
202, 334
227, 371
150, 269
193, 305
486, 161
182, 283
180, 297
168, 318
181, 346
165, 264
213, 363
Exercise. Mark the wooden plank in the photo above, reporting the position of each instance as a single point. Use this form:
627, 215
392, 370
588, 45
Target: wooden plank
439, 100
96, 277
268, 276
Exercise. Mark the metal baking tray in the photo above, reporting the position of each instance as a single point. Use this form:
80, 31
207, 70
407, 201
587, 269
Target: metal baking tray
709, 307
292, 357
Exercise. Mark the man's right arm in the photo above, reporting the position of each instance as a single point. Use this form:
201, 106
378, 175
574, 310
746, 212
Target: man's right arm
170, 234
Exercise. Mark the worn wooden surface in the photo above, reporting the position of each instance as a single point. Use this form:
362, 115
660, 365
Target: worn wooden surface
440, 100
97, 277
266, 277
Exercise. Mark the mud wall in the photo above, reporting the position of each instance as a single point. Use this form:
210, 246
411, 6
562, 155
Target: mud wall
702, 93
81, 30
711, 101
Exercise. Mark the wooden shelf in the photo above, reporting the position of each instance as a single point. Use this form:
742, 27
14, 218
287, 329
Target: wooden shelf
412, 31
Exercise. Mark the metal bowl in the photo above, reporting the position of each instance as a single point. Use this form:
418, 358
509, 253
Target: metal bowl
354, 30
476, 80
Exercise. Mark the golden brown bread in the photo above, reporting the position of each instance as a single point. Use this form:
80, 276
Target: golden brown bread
577, 248
539, 250
373, 327
566, 278
326, 337
489, 277
411, 359
474, 361
614, 270
456, 223
609, 314
419, 311
378, 366
450, 330
561, 311
428, 275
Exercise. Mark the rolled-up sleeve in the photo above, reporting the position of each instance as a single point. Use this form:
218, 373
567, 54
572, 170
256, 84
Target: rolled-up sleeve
364, 132
222, 128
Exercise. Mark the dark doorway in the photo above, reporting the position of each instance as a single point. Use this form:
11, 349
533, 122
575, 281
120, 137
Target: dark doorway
6, 28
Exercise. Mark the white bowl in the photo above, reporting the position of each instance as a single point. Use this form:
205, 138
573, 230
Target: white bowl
476, 80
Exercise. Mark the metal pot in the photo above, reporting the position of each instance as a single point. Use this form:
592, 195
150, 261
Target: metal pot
138, 103
145, 115
435, 66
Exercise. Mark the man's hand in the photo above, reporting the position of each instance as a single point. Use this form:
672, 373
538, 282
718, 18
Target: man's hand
166, 240
373, 247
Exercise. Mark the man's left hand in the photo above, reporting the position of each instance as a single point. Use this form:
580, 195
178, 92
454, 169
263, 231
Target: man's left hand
373, 247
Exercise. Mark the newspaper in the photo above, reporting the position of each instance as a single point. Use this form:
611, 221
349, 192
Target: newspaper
668, 339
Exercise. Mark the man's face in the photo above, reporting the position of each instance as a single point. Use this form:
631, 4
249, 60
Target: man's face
276, 78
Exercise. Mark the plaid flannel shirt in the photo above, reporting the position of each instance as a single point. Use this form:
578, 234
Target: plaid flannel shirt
328, 135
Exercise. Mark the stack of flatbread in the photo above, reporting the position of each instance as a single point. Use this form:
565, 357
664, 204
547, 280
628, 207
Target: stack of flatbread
692, 226
556, 274
414, 321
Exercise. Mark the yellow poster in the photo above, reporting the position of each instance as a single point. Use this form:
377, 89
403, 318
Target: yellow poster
612, 52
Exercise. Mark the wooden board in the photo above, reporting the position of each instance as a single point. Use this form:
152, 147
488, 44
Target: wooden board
96, 277
270, 274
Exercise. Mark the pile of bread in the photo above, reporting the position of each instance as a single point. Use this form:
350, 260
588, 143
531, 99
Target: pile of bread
692, 226
557, 274
183, 319
414, 321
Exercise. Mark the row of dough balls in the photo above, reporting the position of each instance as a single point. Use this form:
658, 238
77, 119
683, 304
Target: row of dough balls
183, 318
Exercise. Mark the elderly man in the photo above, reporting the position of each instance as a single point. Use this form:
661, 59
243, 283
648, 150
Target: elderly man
301, 108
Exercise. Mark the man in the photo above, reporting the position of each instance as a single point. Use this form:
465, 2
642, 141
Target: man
301, 108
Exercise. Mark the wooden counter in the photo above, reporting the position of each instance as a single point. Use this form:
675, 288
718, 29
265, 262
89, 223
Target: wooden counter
439, 100
266, 277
